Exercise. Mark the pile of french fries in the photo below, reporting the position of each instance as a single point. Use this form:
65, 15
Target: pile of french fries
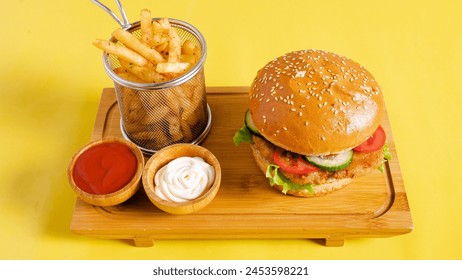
157, 56
154, 54
158, 120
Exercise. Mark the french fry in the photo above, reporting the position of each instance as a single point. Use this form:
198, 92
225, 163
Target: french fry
187, 48
156, 115
177, 67
189, 52
136, 45
186, 130
133, 108
201, 108
160, 138
121, 52
165, 23
146, 73
188, 115
174, 46
174, 128
192, 101
173, 103
160, 34
147, 33
127, 75
163, 48
197, 53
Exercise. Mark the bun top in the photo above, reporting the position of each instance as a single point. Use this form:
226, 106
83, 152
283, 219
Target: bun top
315, 102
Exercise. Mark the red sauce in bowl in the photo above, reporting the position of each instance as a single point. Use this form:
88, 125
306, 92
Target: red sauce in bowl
105, 168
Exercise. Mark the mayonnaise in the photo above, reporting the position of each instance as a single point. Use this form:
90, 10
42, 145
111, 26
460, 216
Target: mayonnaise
183, 179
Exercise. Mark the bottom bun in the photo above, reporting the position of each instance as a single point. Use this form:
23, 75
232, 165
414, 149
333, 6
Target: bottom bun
319, 190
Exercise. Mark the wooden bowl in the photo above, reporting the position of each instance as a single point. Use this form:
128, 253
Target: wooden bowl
164, 156
116, 197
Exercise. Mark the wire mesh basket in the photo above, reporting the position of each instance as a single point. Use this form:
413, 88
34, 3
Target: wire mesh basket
156, 115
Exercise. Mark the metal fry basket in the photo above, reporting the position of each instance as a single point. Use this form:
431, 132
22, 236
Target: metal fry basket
156, 115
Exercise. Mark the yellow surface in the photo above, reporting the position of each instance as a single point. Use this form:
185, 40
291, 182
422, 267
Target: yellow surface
51, 80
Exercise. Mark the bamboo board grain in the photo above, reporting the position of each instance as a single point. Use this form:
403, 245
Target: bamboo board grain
245, 206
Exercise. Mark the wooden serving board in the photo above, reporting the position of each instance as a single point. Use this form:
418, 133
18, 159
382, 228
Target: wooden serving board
246, 207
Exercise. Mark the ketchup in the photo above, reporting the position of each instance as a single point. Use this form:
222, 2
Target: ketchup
105, 168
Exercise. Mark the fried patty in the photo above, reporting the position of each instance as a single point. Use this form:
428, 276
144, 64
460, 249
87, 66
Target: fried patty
362, 164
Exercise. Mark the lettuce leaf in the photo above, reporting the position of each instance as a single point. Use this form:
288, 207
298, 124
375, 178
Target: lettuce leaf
276, 178
386, 152
386, 156
242, 135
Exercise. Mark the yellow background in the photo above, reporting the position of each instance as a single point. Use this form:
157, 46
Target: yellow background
51, 79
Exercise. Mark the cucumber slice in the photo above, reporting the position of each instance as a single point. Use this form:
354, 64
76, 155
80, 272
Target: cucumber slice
332, 162
250, 124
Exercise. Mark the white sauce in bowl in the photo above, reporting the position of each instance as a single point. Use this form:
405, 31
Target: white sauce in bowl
183, 179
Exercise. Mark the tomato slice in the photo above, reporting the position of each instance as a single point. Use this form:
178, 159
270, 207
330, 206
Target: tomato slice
373, 143
293, 163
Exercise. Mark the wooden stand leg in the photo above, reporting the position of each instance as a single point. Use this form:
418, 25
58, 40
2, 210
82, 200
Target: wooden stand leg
143, 242
335, 241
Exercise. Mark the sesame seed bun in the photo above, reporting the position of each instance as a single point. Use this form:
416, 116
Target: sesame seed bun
314, 102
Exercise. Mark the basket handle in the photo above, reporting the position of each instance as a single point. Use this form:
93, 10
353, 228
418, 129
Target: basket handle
125, 23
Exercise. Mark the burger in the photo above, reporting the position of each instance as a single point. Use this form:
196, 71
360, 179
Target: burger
314, 122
